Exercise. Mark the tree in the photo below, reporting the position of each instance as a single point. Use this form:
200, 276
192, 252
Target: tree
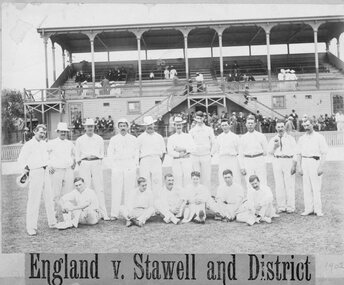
12, 111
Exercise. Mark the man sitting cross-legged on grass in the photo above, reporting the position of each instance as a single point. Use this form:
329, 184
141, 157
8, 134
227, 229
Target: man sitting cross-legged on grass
197, 198
141, 207
260, 199
80, 206
170, 204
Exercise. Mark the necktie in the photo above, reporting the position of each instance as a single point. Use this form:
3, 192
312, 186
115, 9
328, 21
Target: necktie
280, 143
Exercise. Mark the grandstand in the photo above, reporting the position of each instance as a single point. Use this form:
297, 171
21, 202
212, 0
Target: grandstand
320, 75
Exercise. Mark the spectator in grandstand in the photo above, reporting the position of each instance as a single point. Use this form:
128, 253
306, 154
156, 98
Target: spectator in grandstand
102, 124
199, 80
233, 123
229, 77
295, 117
246, 94
235, 65
265, 125
259, 118
188, 87
173, 72
109, 124
191, 117
281, 75
241, 123
289, 126
251, 78
106, 85
151, 75
123, 74
332, 124
77, 123
167, 73
96, 124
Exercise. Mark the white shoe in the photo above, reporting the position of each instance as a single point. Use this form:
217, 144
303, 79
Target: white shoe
175, 220
306, 213
64, 225
166, 220
275, 216
320, 214
53, 226
32, 232
267, 220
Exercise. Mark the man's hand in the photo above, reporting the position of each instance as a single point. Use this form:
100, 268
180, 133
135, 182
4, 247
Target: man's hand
320, 170
293, 170
243, 171
79, 162
51, 170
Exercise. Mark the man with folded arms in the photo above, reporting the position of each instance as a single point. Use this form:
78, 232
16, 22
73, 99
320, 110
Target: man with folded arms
227, 145
312, 150
79, 206
179, 146
61, 162
123, 155
253, 148
33, 159
283, 148
152, 150
89, 155
204, 139
141, 207
171, 203
259, 199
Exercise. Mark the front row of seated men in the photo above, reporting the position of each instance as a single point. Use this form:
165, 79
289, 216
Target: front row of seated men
175, 205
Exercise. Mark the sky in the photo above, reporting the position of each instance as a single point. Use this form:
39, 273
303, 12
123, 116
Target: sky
23, 49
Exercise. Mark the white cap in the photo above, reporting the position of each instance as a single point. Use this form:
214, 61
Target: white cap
89, 122
123, 120
61, 126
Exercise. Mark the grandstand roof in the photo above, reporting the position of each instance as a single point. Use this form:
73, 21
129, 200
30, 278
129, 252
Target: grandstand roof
166, 35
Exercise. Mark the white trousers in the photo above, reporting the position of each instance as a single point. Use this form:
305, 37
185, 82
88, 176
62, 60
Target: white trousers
39, 182
141, 214
92, 172
168, 212
284, 183
86, 216
62, 182
203, 165
182, 168
151, 169
257, 166
123, 180
229, 162
311, 185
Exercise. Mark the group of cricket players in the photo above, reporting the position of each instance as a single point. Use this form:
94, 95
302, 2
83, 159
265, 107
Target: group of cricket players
71, 176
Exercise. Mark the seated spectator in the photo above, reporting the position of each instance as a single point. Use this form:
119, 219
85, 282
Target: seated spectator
151, 75
109, 124
105, 83
123, 74
141, 205
199, 81
80, 206
251, 78
281, 75
188, 87
173, 72
167, 73
229, 77
102, 124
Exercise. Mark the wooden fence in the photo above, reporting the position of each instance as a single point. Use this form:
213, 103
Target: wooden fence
333, 138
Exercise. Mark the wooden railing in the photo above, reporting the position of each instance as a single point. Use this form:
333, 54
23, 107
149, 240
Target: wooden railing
333, 138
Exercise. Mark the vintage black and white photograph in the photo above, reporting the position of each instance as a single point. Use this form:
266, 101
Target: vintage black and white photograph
172, 128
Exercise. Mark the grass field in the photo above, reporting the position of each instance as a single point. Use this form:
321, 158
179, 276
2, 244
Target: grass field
291, 233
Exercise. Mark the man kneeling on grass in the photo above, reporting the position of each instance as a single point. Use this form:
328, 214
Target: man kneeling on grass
197, 200
80, 206
170, 204
141, 208
260, 200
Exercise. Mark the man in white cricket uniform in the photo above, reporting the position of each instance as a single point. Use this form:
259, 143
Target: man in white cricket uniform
259, 199
171, 202
231, 200
141, 206
79, 206
152, 150
312, 150
179, 147
204, 139
33, 159
123, 155
227, 145
89, 155
253, 148
283, 149
61, 162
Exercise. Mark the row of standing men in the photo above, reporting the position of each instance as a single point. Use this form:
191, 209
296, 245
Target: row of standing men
244, 156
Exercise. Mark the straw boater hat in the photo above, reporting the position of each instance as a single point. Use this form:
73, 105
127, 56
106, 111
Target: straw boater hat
89, 122
148, 120
178, 120
61, 126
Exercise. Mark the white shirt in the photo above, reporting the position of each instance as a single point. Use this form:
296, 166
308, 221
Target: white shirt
172, 198
253, 143
141, 199
259, 198
233, 194
173, 72
86, 146
204, 139
34, 154
61, 153
151, 144
227, 144
77, 198
312, 145
181, 140
123, 149
199, 78
288, 146
199, 192
281, 76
